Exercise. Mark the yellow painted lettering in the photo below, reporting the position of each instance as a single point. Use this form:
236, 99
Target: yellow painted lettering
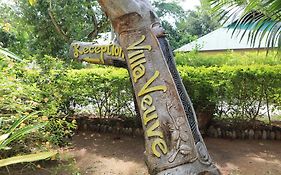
98, 49
123, 55
145, 89
120, 52
92, 60
161, 145
138, 63
147, 100
108, 49
138, 72
113, 49
138, 55
116, 51
103, 49
135, 53
152, 132
92, 49
76, 50
147, 116
86, 50
135, 46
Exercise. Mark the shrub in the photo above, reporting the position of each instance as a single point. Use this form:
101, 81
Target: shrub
15, 133
236, 92
47, 86
28, 87
107, 90
229, 58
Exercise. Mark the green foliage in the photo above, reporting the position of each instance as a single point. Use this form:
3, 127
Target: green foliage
15, 34
34, 86
171, 11
47, 27
48, 74
16, 97
108, 90
6, 39
235, 92
228, 58
60, 130
199, 23
27, 158
15, 133
8, 55
183, 27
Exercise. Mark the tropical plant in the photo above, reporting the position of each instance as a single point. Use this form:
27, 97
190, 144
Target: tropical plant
27, 158
259, 19
14, 134
6, 53
31, 86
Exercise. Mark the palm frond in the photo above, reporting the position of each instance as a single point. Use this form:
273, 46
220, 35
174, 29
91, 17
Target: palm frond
258, 20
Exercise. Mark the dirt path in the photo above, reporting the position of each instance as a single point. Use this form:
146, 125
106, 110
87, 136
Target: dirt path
106, 154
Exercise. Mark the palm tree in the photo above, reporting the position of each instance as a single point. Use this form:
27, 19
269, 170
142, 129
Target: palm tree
260, 18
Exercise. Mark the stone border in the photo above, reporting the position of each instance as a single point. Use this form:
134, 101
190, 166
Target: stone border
215, 132
91, 125
251, 134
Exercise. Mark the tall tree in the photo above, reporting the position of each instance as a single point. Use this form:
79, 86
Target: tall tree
52, 25
199, 22
184, 26
172, 16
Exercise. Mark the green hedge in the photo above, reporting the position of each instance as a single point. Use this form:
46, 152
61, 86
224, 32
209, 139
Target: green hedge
235, 92
107, 90
238, 92
229, 58
56, 92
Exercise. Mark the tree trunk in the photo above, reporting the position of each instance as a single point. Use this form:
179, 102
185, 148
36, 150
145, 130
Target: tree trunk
174, 145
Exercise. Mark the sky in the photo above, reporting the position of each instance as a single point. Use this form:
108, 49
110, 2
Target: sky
188, 4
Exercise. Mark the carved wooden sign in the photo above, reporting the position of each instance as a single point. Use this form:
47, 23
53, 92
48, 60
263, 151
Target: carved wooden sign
110, 54
173, 143
169, 140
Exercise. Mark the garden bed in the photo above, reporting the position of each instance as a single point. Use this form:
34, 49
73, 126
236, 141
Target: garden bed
217, 129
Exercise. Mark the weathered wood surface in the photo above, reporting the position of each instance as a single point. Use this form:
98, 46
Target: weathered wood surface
110, 54
173, 142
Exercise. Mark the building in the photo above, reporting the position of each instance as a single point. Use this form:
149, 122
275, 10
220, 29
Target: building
224, 39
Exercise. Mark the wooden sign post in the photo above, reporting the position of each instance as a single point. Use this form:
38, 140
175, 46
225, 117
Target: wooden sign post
173, 143
111, 54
